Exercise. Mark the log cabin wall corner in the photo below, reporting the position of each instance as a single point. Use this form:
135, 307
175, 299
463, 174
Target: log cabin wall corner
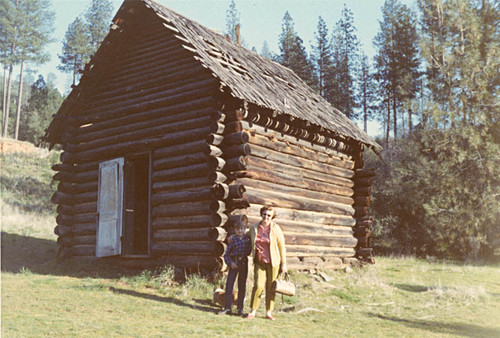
175, 134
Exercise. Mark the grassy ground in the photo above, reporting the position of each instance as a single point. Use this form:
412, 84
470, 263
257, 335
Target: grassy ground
395, 297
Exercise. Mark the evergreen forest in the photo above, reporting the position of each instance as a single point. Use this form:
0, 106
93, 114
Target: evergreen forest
432, 86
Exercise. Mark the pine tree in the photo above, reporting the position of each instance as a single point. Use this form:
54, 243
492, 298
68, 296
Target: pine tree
28, 25
322, 56
345, 64
44, 101
367, 90
397, 59
97, 19
265, 52
76, 49
232, 21
293, 54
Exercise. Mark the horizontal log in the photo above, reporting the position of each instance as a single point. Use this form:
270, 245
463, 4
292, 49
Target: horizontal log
141, 119
361, 231
63, 198
302, 152
76, 219
74, 209
258, 196
299, 136
363, 182
236, 150
217, 177
236, 191
308, 228
180, 149
235, 164
190, 221
194, 170
166, 100
363, 242
65, 240
182, 183
309, 250
191, 262
365, 222
214, 139
295, 238
181, 235
299, 162
361, 212
75, 188
255, 162
144, 144
305, 263
288, 179
63, 230
302, 216
84, 177
365, 172
237, 203
362, 201
177, 111
364, 252
220, 191
296, 192
236, 138
199, 194
213, 151
85, 229
236, 115
136, 134
365, 191
84, 239
207, 248
181, 209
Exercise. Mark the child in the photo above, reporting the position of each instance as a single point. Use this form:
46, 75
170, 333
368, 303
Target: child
236, 258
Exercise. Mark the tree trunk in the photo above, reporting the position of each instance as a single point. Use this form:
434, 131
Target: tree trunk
4, 101
395, 112
388, 130
19, 100
7, 106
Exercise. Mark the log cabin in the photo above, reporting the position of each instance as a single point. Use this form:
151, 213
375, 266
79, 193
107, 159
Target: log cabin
175, 133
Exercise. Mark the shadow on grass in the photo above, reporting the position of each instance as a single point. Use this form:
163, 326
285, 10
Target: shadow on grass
411, 288
203, 307
458, 329
23, 253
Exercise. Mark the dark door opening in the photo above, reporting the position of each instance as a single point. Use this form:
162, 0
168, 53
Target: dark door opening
135, 235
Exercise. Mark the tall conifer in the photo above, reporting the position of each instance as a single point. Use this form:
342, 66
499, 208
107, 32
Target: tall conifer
292, 52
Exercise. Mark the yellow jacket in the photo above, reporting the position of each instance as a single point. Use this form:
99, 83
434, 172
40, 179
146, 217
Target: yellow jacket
277, 243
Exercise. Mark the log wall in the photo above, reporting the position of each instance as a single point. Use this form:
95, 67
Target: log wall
310, 185
156, 98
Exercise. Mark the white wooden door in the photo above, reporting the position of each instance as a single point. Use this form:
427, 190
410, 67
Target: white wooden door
110, 208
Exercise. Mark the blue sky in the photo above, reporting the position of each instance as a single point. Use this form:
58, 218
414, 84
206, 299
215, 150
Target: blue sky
260, 21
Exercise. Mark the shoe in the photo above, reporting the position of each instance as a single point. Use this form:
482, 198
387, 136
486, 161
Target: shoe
240, 313
250, 316
270, 317
224, 312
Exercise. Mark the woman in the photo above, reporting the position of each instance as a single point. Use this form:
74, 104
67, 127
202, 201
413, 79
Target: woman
269, 254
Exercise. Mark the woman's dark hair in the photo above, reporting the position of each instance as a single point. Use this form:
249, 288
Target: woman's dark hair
268, 208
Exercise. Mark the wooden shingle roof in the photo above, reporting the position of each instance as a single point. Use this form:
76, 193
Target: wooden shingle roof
247, 75
256, 79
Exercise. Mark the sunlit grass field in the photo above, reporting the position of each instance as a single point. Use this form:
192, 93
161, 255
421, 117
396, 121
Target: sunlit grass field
394, 297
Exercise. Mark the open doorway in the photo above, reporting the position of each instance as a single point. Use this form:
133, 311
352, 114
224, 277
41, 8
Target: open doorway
135, 233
